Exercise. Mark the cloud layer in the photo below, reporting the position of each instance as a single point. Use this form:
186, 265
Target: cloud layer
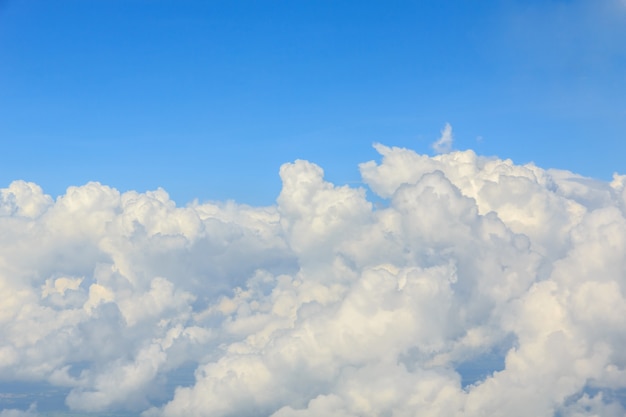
477, 287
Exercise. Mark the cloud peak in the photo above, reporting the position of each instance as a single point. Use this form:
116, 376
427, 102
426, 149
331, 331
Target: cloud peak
444, 143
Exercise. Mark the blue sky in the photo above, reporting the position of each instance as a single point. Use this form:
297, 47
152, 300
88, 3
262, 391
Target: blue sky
208, 98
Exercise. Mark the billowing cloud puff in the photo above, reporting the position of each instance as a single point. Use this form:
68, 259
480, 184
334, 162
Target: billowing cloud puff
478, 287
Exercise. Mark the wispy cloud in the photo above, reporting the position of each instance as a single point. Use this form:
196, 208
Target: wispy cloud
444, 143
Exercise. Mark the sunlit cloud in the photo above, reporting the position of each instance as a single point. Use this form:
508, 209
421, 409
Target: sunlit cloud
480, 287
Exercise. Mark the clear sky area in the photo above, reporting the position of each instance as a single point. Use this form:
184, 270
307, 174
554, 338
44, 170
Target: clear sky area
208, 98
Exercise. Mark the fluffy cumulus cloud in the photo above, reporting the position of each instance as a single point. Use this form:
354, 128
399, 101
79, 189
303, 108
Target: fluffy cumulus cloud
477, 287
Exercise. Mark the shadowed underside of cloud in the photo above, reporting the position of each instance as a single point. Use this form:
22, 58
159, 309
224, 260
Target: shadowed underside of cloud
323, 304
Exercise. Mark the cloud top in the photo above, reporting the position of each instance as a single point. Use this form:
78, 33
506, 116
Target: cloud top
324, 304
444, 143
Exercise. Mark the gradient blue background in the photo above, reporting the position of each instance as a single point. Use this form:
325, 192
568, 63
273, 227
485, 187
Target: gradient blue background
208, 98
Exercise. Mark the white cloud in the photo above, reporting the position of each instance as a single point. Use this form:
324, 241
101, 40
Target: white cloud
444, 143
322, 304
13, 412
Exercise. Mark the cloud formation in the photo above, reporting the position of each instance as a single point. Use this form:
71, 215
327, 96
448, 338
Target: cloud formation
480, 287
444, 143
